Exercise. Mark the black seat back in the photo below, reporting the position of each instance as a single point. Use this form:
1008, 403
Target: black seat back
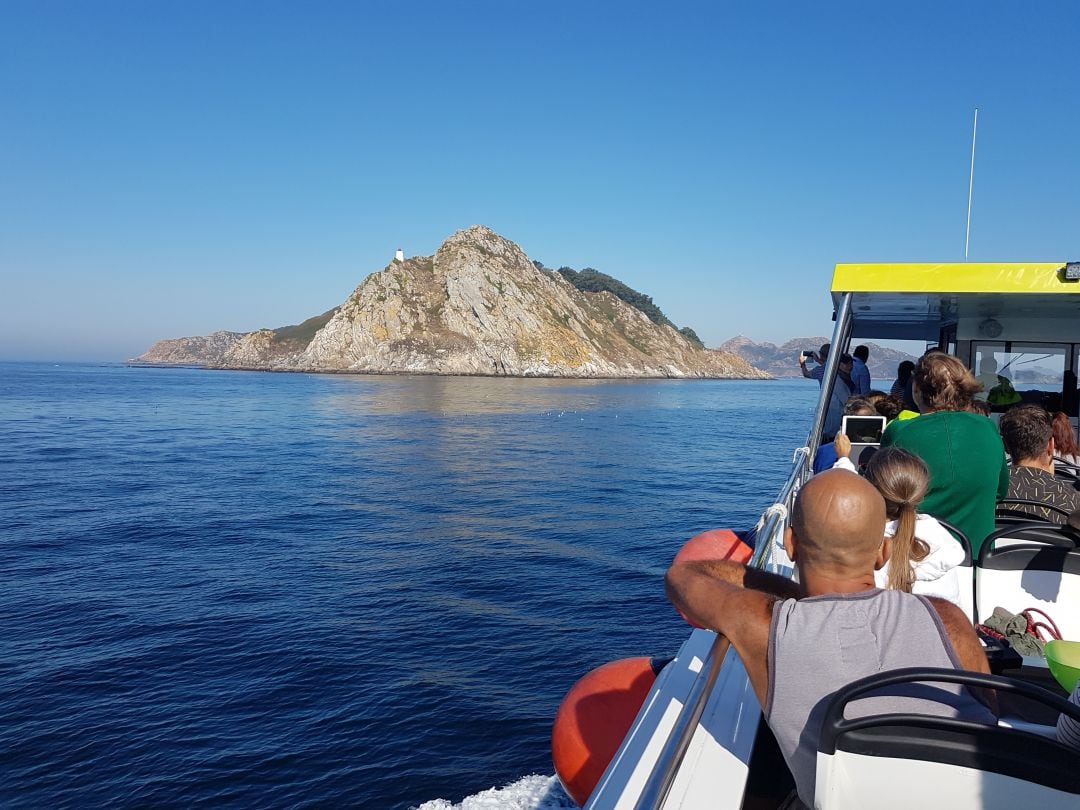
965, 572
1003, 762
1038, 567
1010, 510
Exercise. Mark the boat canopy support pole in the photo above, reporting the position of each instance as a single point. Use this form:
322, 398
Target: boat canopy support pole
840, 337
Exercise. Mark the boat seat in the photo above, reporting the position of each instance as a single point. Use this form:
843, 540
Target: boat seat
1008, 511
862, 452
965, 571
1039, 567
909, 760
1066, 471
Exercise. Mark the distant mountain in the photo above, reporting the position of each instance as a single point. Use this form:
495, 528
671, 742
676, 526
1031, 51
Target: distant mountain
479, 305
783, 361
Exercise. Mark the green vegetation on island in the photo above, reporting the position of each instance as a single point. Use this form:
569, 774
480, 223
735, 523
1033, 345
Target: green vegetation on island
591, 280
302, 333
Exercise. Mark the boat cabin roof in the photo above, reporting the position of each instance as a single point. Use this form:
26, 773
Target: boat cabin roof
918, 301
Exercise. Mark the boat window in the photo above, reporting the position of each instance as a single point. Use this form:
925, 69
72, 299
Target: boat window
1013, 372
1072, 390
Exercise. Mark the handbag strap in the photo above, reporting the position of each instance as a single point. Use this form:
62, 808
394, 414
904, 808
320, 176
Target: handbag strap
1049, 626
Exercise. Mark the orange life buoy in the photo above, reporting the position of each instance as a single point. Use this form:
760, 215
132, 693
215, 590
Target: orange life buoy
593, 719
716, 544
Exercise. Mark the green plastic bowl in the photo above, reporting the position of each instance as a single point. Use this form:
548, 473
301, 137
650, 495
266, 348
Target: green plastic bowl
1064, 660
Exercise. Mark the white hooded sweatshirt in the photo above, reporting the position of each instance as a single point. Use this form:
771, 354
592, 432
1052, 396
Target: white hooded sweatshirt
935, 574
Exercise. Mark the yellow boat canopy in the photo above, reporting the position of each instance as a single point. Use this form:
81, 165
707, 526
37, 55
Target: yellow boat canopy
957, 277
917, 301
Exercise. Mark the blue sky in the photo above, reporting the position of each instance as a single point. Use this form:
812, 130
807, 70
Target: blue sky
172, 169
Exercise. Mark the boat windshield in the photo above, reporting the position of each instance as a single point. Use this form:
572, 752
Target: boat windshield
1039, 373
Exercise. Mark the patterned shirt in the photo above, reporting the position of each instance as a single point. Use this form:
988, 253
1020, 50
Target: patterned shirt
1033, 484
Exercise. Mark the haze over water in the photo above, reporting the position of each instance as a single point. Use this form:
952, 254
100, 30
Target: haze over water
281, 590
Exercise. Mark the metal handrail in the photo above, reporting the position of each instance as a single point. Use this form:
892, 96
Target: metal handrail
662, 776
840, 337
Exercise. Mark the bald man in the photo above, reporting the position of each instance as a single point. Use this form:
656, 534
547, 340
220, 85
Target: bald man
801, 642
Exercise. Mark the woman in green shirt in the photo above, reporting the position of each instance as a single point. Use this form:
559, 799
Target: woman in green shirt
962, 450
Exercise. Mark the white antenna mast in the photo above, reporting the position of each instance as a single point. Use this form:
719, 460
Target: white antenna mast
971, 183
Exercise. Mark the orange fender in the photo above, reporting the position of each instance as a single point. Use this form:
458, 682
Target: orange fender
593, 719
716, 544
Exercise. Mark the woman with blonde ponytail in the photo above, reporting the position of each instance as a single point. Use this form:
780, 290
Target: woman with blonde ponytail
923, 555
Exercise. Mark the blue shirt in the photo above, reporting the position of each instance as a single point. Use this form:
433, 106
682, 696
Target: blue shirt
860, 375
834, 415
825, 458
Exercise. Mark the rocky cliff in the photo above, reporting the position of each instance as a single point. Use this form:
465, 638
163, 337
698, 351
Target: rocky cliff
783, 361
478, 306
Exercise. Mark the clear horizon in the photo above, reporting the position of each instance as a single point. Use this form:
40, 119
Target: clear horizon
175, 171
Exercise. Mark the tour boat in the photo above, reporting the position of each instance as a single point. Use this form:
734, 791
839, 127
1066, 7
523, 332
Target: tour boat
698, 739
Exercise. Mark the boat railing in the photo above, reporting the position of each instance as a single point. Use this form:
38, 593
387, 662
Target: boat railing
769, 535
768, 538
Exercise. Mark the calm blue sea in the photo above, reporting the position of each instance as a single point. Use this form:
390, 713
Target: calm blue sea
241, 589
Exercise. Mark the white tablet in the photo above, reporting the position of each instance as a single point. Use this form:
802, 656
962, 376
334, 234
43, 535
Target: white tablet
863, 429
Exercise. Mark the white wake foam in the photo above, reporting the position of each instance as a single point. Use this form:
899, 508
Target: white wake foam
528, 793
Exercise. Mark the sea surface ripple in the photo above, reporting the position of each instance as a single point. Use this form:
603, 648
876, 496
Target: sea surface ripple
240, 589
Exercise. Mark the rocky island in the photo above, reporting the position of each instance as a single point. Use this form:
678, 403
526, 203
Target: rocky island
478, 306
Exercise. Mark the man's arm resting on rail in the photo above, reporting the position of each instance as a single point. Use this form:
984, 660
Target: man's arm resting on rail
741, 576
741, 614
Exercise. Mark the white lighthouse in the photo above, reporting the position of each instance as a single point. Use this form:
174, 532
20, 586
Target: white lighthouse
399, 256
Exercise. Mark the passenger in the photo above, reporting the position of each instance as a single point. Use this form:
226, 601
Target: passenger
1029, 438
988, 376
909, 389
1070, 399
875, 396
860, 374
841, 393
889, 407
826, 456
997, 388
843, 371
1068, 730
962, 450
818, 371
1003, 394
903, 378
799, 651
892, 407
1065, 447
923, 555
841, 387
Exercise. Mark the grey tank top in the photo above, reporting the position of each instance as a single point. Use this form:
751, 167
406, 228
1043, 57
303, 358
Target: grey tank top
821, 643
